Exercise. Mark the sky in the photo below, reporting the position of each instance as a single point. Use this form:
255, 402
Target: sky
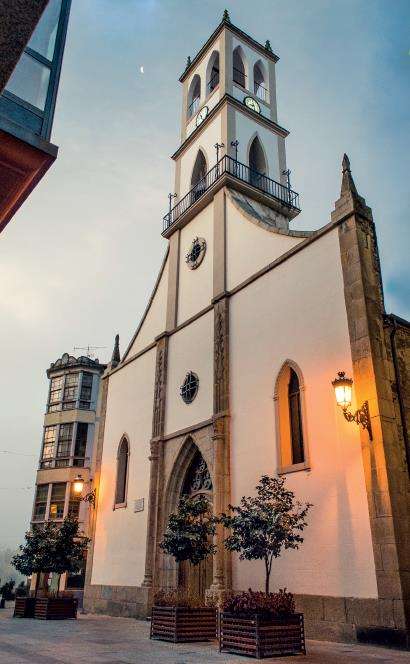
80, 258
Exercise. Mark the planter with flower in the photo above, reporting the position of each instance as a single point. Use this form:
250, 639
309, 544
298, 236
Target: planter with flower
178, 615
50, 549
263, 624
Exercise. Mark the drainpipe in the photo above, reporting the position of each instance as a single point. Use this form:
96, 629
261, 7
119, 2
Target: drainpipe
392, 320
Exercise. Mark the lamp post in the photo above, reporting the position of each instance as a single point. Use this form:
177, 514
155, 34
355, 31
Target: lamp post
78, 486
170, 197
343, 393
287, 174
235, 144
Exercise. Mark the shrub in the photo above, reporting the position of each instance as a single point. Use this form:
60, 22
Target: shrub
277, 605
178, 597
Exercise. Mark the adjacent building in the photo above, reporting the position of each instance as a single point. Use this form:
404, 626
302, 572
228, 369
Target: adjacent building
27, 105
67, 446
229, 375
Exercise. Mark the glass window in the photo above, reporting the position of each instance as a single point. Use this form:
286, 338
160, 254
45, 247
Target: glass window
48, 446
40, 503
44, 36
29, 81
295, 418
57, 500
122, 471
64, 440
70, 391
81, 439
74, 504
56, 386
86, 389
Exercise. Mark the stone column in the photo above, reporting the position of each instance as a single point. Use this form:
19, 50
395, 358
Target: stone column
387, 480
156, 449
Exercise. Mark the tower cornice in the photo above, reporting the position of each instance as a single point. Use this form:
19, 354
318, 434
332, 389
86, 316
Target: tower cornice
236, 31
227, 98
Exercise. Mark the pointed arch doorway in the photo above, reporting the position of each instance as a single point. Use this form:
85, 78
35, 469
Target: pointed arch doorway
196, 579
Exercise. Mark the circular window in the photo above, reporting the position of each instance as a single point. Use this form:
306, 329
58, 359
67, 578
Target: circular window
196, 253
189, 388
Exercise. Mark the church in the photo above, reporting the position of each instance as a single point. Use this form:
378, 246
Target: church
230, 375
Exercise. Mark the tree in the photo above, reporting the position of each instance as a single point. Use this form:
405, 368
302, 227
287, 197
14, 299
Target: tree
189, 531
264, 525
52, 548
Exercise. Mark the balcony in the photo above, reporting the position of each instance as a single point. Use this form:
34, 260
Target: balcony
284, 198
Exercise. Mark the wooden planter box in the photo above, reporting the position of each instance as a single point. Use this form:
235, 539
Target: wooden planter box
179, 624
261, 636
55, 608
24, 607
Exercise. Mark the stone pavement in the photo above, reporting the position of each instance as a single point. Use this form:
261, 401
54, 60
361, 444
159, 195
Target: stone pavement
106, 640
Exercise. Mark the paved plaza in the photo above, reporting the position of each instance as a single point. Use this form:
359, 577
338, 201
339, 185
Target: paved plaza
126, 641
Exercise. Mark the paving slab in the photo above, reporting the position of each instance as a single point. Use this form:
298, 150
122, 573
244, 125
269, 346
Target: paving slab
107, 640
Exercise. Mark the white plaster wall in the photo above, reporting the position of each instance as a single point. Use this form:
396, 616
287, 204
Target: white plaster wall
155, 320
250, 247
206, 141
190, 349
120, 536
297, 311
195, 286
246, 128
211, 100
239, 93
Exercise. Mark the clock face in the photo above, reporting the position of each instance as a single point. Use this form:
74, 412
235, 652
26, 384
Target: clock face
201, 115
251, 103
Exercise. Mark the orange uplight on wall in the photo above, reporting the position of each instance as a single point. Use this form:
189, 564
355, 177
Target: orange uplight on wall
343, 393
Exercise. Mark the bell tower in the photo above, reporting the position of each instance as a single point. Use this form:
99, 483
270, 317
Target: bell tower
229, 130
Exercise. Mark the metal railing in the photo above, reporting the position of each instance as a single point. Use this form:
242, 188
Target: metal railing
235, 168
193, 107
65, 462
239, 77
213, 82
261, 92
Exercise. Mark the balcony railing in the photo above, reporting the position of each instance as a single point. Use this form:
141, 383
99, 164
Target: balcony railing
240, 171
239, 77
193, 107
65, 462
261, 92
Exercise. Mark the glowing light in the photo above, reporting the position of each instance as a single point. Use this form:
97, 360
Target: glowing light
78, 484
142, 69
343, 390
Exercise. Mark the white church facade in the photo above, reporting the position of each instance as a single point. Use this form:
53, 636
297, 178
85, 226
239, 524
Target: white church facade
229, 374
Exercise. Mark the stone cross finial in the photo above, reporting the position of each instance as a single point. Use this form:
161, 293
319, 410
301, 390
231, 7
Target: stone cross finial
116, 358
225, 16
188, 62
268, 46
348, 185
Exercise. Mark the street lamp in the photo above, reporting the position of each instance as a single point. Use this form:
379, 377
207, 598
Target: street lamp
78, 486
343, 393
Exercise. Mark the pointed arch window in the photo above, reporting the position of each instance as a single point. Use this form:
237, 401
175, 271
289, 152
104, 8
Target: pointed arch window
238, 69
212, 73
290, 425
194, 95
259, 82
198, 184
257, 164
122, 474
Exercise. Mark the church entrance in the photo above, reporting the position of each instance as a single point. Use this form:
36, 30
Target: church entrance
196, 579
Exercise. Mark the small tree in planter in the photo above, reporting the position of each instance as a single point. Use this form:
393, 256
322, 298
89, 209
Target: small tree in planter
50, 549
260, 528
177, 615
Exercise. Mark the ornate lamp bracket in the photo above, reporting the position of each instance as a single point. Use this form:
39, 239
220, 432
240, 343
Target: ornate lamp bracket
361, 417
90, 497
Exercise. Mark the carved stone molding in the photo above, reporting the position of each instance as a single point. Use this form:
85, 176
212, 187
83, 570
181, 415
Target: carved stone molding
158, 416
221, 356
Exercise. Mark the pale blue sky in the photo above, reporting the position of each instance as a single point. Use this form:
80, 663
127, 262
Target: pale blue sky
80, 258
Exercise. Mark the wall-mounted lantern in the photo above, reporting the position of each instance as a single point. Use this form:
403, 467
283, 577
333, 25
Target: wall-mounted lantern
78, 486
343, 392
